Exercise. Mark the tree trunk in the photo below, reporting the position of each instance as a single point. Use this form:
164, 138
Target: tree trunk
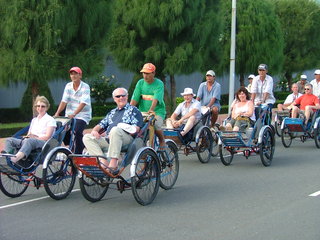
166, 94
173, 93
242, 80
288, 76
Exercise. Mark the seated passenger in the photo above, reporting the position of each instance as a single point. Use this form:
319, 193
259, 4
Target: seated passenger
290, 98
115, 136
41, 129
309, 103
242, 115
190, 111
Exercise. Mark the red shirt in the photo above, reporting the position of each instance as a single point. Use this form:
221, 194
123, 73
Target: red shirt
306, 100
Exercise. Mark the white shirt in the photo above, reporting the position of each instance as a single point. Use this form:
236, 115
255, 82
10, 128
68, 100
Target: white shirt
258, 87
291, 97
39, 126
183, 110
315, 87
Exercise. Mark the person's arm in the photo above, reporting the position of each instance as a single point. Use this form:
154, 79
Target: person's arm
212, 101
48, 135
269, 88
189, 114
78, 110
133, 102
95, 131
61, 107
153, 105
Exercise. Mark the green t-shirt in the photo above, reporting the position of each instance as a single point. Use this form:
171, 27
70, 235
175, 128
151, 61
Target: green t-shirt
144, 93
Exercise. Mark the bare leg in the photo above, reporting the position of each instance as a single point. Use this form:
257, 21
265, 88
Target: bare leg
18, 157
295, 112
214, 115
160, 135
189, 125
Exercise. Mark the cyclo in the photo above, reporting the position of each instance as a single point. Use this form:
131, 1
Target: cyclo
258, 140
278, 119
199, 139
58, 175
149, 168
292, 128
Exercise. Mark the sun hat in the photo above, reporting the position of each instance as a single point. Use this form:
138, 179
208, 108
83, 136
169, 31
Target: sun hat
187, 91
148, 68
251, 76
75, 69
317, 72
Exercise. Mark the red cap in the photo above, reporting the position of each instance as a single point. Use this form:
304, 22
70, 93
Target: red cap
148, 68
75, 69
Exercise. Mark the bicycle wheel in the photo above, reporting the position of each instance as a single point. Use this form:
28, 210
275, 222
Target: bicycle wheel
317, 136
93, 189
267, 147
215, 145
286, 137
13, 185
60, 175
277, 127
204, 145
145, 183
169, 167
226, 155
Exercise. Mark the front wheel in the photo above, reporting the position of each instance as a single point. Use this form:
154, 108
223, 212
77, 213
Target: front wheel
215, 145
286, 137
204, 145
317, 136
93, 189
169, 166
146, 180
60, 175
226, 155
267, 147
277, 127
13, 185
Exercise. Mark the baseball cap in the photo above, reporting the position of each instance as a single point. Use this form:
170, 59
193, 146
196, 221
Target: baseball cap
303, 77
211, 73
75, 69
251, 76
262, 66
317, 71
148, 68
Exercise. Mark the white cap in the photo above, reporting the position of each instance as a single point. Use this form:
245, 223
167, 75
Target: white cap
303, 77
317, 71
251, 76
187, 91
211, 73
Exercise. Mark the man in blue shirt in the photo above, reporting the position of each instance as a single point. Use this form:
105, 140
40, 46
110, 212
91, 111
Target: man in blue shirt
209, 94
110, 128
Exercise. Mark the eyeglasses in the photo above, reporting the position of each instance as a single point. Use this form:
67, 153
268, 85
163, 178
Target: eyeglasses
41, 106
261, 70
118, 96
307, 89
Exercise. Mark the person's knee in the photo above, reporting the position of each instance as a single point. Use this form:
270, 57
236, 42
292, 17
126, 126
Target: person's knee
115, 131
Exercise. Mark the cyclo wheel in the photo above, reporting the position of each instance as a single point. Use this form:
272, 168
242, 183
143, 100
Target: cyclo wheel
204, 145
145, 183
267, 147
169, 167
215, 145
286, 137
13, 185
60, 175
277, 127
317, 136
93, 189
226, 156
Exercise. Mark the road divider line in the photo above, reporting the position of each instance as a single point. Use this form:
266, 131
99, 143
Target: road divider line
28, 201
315, 194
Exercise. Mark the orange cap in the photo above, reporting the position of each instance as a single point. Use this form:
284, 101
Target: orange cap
148, 68
75, 69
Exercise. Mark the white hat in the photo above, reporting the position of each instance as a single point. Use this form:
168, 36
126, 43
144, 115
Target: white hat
317, 71
188, 91
303, 77
211, 73
251, 76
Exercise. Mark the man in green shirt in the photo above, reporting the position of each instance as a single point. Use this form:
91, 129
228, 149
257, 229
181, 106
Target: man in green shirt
148, 95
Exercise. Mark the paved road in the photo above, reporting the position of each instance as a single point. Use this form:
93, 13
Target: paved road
243, 201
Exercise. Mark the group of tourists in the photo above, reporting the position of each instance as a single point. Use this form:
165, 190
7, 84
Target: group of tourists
122, 124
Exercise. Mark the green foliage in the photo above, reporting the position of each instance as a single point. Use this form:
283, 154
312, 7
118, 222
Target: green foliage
102, 88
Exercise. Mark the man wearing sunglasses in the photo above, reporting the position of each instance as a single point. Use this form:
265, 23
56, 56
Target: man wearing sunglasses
316, 83
309, 103
117, 129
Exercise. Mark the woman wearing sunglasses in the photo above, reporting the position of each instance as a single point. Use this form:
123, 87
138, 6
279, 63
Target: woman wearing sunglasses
41, 129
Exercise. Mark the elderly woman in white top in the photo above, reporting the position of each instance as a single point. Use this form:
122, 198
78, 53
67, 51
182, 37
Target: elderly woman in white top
242, 115
41, 129
190, 111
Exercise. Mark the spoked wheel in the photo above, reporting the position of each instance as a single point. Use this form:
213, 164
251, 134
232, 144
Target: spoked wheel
60, 175
169, 167
13, 185
267, 147
226, 155
286, 137
317, 136
215, 146
145, 183
93, 189
277, 127
204, 145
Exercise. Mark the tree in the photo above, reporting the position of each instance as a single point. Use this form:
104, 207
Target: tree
178, 36
40, 40
300, 21
259, 37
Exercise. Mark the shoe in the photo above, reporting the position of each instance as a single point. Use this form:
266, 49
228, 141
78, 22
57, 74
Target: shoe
113, 171
3, 151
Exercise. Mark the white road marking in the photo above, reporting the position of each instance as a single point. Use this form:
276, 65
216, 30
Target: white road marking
315, 194
28, 201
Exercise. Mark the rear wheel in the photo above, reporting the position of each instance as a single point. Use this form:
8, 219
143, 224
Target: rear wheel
215, 146
317, 136
145, 183
226, 155
277, 127
60, 175
267, 147
13, 185
204, 145
169, 166
93, 189
286, 137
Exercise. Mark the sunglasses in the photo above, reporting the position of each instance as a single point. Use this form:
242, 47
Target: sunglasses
41, 106
118, 96
261, 70
307, 89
